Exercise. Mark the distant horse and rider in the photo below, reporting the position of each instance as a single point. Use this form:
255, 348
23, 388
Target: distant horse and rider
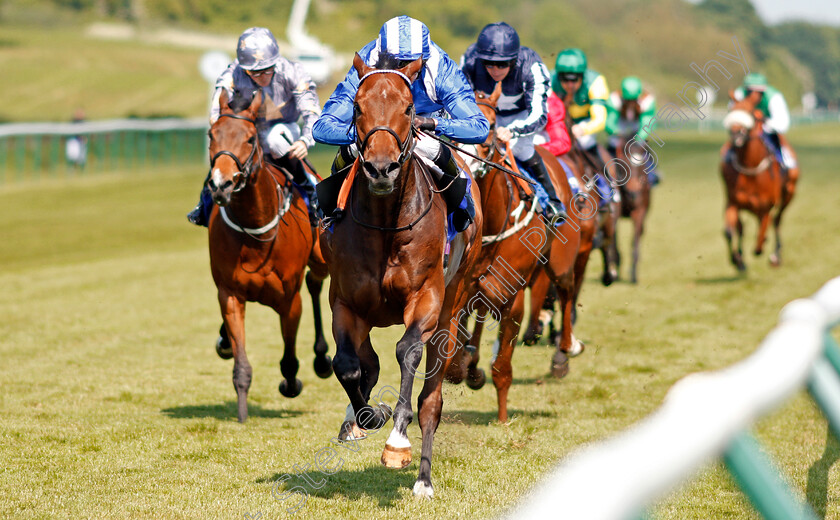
260, 243
759, 175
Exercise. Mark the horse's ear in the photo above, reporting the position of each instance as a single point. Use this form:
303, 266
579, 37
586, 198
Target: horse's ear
413, 69
224, 99
497, 93
360, 66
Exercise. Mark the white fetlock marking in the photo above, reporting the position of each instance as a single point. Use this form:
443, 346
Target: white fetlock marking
577, 347
397, 440
350, 416
545, 318
422, 490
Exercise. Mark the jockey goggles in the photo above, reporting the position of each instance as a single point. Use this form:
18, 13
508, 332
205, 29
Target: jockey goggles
498, 64
260, 73
568, 77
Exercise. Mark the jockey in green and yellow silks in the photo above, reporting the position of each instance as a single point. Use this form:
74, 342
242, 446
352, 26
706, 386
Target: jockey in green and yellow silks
584, 92
631, 113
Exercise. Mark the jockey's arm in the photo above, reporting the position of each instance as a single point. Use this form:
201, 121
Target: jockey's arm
335, 125
646, 119
467, 123
598, 94
779, 120
613, 118
306, 100
536, 88
559, 142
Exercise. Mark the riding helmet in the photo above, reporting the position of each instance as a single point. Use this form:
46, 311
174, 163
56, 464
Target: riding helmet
497, 42
405, 38
631, 88
755, 81
570, 61
257, 49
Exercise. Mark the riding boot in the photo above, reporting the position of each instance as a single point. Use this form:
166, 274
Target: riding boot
458, 200
305, 184
344, 158
200, 215
555, 208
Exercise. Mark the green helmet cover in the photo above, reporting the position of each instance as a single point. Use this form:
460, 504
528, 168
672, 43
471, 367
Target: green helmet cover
755, 81
631, 88
570, 61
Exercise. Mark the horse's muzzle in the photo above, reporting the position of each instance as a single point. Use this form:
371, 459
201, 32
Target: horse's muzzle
220, 194
381, 176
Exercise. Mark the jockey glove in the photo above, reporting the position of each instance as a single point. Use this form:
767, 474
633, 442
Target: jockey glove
425, 123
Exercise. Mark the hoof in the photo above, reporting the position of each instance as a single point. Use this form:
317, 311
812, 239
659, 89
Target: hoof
775, 260
476, 379
607, 279
396, 458
290, 392
350, 431
223, 348
559, 365
374, 419
532, 336
423, 489
323, 366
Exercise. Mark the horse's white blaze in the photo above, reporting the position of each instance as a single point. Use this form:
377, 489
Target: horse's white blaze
738, 117
218, 179
397, 440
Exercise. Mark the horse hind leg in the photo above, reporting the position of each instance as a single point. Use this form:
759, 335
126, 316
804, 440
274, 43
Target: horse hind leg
323, 362
223, 346
291, 386
233, 313
540, 287
476, 377
776, 255
568, 345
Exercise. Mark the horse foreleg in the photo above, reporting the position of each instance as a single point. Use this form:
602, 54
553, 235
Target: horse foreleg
733, 226
291, 386
233, 314
540, 286
421, 318
502, 370
609, 247
638, 217
350, 332
763, 223
322, 363
776, 256
476, 378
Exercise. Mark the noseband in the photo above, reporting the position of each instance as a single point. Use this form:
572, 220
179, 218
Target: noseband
240, 178
407, 146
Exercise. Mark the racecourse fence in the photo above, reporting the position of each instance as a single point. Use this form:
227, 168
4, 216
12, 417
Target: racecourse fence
706, 416
30, 151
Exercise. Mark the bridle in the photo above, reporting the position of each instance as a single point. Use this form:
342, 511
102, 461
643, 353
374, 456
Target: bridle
241, 177
407, 145
485, 166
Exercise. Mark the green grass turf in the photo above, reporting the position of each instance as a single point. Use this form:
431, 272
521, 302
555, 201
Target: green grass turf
115, 404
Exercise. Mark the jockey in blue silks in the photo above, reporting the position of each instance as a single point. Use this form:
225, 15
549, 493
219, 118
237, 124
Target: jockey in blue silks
443, 100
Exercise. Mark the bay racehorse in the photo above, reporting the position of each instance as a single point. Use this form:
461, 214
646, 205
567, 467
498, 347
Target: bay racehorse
385, 261
753, 180
516, 241
260, 242
635, 193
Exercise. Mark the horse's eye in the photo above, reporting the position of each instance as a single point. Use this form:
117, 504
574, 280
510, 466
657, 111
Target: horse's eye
252, 140
210, 134
357, 110
409, 109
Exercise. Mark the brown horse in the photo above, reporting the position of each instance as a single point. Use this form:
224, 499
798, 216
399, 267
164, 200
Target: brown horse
385, 259
635, 193
753, 181
591, 221
516, 241
260, 242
